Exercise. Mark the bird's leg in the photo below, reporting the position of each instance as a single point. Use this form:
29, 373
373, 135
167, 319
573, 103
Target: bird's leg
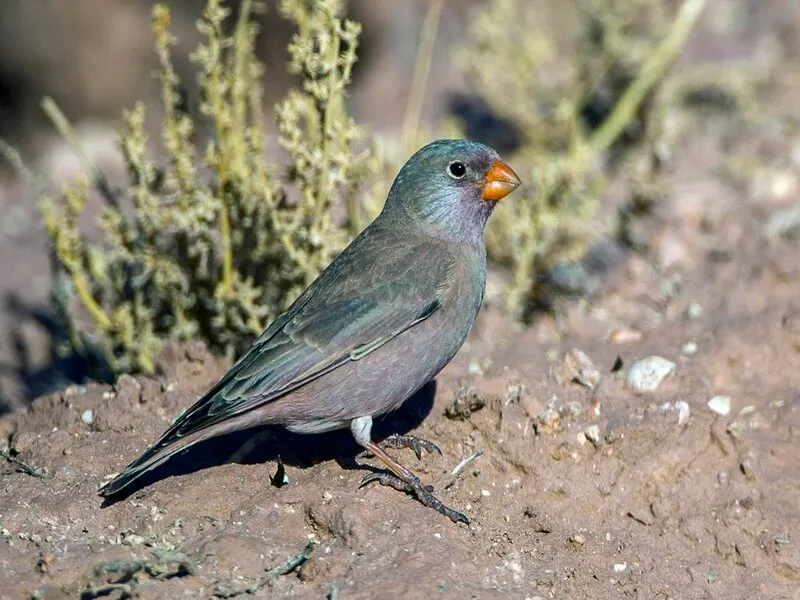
400, 477
398, 441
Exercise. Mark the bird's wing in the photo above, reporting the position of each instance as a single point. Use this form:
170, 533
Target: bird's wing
350, 311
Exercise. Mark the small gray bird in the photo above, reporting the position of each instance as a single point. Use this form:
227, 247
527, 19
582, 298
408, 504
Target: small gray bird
381, 321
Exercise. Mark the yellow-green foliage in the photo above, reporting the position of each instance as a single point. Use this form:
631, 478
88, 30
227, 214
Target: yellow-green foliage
543, 65
216, 242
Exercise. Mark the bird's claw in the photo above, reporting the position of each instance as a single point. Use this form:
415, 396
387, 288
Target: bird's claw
387, 479
397, 442
423, 493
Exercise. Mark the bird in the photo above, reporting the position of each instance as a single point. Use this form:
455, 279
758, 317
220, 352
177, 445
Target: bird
380, 321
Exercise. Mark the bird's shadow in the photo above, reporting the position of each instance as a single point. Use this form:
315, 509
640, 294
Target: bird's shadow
268, 443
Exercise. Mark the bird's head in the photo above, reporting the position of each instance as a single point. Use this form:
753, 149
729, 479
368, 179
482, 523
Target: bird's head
450, 188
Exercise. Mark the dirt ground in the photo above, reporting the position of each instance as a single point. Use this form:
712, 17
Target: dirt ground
612, 494
583, 488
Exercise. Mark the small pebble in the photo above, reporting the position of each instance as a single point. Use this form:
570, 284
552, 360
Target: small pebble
720, 405
474, 369
694, 310
87, 417
592, 433
573, 409
722, 477
689, 348
646, 375
784, 221
779, 539
684, 412
736, 429
624, 335
747, 467
131, 539
485, 493
467, 401
561, 451
548, 421
513, 393
578, 540
620, 567
576, 367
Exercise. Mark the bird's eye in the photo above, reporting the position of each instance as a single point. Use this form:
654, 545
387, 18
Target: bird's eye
457, 170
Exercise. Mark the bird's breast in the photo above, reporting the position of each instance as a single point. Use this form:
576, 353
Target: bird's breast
462, 298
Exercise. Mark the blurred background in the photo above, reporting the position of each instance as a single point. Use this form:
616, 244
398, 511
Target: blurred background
96, 57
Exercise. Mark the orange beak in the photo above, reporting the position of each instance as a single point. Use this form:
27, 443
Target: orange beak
500, 182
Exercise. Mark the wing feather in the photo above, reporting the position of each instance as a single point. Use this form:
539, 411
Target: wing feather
334, 322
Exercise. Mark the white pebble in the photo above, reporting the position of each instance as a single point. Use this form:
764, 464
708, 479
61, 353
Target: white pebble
620, 567
87, 417
694, 310
646, 375
684, 412
720, 405
592, 433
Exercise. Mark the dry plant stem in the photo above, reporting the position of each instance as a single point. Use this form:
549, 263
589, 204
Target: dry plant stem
100, 591
223, 169
172, 135
79, 280
37, 472
15, 160
524, 266
288, 566
322, 184
292, 562
648, 76
419, 80
68, 132
241, 77
460, 466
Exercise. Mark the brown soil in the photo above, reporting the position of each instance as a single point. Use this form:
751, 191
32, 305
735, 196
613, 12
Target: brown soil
606, 495
650, 508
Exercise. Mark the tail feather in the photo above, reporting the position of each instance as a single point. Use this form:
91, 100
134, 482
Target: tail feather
164, 449
151, 459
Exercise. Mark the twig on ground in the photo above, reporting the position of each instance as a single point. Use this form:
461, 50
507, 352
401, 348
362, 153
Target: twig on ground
290, 565
460, 466
38, 472
104, 590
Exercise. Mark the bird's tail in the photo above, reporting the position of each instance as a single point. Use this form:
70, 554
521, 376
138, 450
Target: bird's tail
164, 449
148, 461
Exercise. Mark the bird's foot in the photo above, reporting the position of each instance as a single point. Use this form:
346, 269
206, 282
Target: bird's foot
423, 493
397, 441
